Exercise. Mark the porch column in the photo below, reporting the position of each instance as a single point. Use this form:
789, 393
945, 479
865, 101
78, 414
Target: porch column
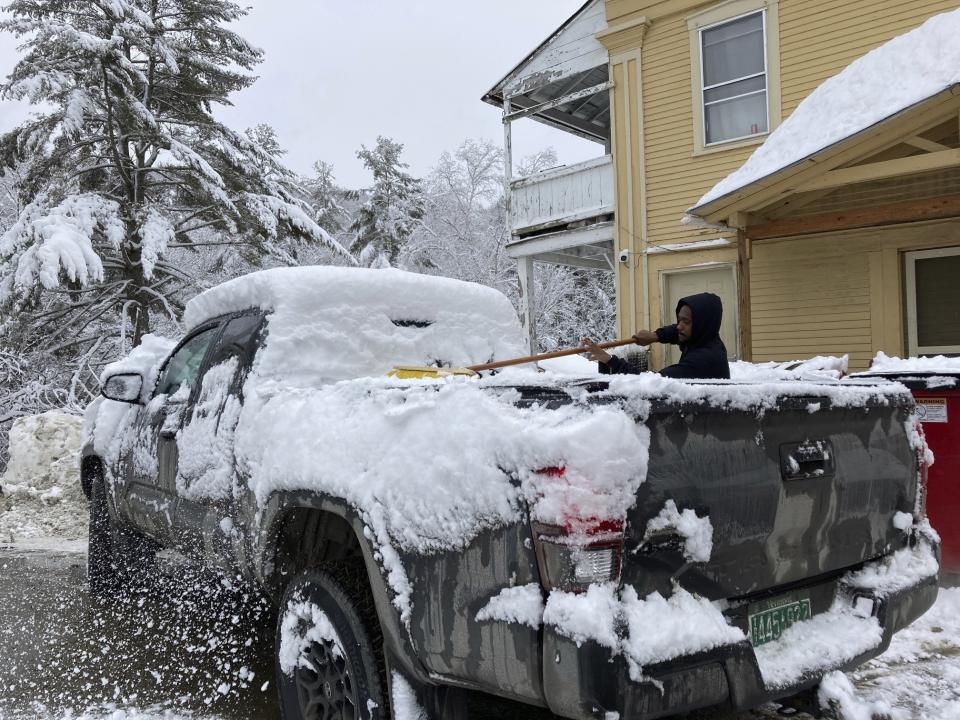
744, 254
528, 305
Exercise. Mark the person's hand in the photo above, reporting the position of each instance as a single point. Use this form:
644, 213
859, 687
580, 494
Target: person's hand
645, 337
597, 354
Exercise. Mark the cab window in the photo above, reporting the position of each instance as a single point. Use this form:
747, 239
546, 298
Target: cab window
183, 367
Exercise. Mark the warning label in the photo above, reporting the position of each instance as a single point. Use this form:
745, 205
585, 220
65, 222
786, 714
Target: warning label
932, 410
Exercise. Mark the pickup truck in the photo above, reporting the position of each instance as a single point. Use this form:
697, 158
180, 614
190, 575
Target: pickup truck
597, 546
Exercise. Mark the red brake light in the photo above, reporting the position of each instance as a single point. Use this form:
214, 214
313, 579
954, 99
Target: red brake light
580, 551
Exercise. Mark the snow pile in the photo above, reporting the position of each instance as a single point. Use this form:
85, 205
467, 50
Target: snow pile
660, 629
522, 605
697, 532
757, 394
815, 368
645, 631
331, 323
836, 693
885, 364
582, 617
404, 699
902, 72
41, 494
570, 365
901, 569
304, 624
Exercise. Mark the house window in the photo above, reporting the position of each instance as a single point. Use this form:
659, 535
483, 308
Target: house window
933, 301
735, 73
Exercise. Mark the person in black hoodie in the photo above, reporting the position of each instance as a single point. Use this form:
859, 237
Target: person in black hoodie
697, 332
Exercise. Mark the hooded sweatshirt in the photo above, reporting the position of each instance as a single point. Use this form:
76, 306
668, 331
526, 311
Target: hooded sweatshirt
703, 356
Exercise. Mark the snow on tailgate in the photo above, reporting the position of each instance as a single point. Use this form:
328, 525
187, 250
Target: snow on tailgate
329, 323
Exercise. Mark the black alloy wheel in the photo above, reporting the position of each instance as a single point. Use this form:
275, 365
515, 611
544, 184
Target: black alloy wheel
337, 670
325, 687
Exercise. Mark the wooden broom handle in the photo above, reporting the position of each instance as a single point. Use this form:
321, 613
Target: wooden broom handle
548, 356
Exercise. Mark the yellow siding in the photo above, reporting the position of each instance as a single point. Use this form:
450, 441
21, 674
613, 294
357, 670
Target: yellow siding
835, 294
675, 179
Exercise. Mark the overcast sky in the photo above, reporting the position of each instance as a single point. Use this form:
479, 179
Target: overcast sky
339, 72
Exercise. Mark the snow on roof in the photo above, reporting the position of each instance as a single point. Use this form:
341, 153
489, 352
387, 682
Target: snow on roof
904, 71
940, 364
333, 323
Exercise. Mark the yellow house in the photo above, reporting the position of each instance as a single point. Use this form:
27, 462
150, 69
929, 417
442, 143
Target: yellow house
849, 243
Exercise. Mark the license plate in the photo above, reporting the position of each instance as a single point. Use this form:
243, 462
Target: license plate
770, 618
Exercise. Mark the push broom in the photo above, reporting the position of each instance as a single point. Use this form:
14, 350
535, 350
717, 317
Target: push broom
415, 371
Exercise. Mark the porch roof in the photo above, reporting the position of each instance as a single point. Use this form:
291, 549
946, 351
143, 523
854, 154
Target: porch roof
880, 117
562, 82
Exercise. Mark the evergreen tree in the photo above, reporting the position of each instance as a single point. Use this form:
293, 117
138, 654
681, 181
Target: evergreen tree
125, 165
391, 211
326, 199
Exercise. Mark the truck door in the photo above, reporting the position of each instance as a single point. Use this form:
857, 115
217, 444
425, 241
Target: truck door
205, 477
152, 459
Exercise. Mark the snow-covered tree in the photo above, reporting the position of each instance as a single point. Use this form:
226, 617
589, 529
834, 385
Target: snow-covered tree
391, 210
463, 231
463, 235
125, 164
327, 199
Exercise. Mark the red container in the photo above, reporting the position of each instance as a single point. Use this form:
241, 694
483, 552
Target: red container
938, 406
939, 411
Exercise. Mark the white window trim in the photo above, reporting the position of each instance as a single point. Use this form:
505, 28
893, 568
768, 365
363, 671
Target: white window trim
910, 259
718, 15
667, 313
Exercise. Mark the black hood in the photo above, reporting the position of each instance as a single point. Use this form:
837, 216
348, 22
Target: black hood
707, 311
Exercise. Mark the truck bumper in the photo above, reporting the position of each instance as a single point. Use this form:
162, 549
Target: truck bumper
587, 682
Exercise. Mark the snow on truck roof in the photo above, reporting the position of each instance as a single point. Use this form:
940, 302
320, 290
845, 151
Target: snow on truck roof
336, 323
900, 73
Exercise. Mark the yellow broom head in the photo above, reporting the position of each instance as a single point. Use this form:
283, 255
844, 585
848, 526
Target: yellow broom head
416, 372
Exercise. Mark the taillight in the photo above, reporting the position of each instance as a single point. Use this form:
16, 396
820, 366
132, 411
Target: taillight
580, 552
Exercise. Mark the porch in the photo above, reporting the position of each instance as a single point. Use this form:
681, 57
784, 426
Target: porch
562, 215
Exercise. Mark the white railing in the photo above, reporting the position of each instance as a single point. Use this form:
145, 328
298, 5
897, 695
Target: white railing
562, 195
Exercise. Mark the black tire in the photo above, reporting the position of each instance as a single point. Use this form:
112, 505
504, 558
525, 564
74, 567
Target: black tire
119, 560
331, 678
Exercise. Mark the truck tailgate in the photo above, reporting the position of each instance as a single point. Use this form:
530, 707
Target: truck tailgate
793, 493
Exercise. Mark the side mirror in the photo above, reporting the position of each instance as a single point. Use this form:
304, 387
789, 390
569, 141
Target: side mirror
123, 387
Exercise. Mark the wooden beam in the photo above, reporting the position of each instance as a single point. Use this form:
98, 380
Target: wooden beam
883, 170
924, 144
768, 190
890, 214
570, 260
744, 315
557, 102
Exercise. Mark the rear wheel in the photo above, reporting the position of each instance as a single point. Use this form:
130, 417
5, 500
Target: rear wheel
119, 560
329, 649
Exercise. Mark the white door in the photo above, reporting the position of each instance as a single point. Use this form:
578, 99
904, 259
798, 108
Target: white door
717, 279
